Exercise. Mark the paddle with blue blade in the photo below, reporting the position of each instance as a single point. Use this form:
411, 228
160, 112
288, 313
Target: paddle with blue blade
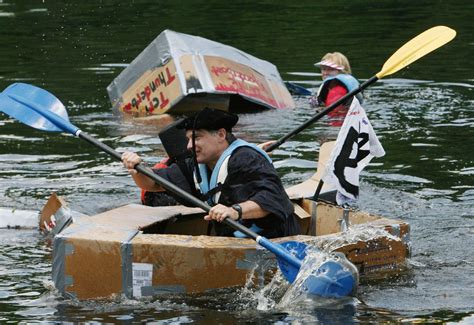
411, 51
40, 109
297, 90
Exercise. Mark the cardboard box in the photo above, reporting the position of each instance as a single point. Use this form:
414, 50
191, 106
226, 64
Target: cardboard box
183, 73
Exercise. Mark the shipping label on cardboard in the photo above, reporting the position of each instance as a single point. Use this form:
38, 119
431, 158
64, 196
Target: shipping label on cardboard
142, 275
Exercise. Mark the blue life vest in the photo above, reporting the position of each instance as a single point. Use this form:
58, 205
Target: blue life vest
347, 80
219, 174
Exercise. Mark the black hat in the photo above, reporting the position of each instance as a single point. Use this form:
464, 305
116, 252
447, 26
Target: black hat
210, 119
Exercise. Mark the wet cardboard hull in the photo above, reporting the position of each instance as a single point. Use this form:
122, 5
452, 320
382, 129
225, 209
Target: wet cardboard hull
118, 253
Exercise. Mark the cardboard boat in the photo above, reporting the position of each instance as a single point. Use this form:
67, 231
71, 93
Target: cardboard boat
179, 73
136, 250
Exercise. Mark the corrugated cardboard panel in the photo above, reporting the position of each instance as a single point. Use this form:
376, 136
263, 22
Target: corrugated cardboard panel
176, 65
378, 257
197, 263
307, 188
154, 92
90, 258
50, 208
328, 217
88, 261
135, 216
106, 255
374, 258
232, 77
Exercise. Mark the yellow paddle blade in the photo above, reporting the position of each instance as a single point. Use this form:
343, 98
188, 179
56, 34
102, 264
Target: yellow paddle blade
416, 48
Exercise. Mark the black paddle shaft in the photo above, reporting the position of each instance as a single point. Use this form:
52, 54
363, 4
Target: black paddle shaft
319, 115
167, 185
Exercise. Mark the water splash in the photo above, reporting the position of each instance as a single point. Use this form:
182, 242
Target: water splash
354, 234
263, 298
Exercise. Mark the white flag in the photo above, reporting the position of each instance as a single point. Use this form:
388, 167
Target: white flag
355, 146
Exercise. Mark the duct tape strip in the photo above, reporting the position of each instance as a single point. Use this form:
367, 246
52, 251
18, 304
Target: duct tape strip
76, 228
163, 289
395, 229
345, 220
60, 279
126, 250
63, 218
203, 74
406, 236
314, 218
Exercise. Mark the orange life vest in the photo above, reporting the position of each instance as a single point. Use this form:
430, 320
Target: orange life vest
162, 164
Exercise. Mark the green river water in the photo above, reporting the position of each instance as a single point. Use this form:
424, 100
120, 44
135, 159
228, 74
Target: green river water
423, 116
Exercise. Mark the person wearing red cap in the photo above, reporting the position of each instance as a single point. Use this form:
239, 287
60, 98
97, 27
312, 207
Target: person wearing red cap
337, 82
235, 177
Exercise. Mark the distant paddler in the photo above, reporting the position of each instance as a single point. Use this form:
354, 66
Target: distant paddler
411, 51
337, 82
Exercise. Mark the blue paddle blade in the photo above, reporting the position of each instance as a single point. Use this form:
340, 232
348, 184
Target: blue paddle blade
298, 250
331, 280
335, 278
297, 90
35, 107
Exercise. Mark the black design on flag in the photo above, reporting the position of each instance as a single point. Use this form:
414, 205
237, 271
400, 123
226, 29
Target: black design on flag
355, 146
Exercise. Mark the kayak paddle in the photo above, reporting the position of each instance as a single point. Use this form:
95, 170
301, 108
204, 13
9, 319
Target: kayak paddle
296, 89
411, 51
40, 109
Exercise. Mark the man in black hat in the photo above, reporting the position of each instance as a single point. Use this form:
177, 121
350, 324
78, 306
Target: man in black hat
235, 177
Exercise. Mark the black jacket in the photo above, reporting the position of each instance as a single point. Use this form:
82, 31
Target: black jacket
250, 177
